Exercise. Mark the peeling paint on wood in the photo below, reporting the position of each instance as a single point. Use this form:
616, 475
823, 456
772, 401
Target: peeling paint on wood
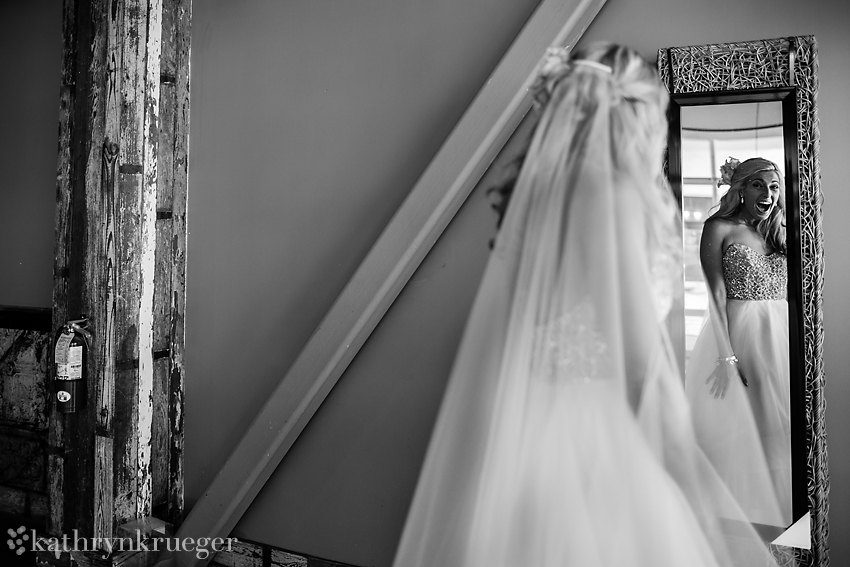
279, 558
241, 554
162, 309
162, 287
148, 254
160, 446
105, 393
24, 364
122, 259
24, 403
182, 18
125, 441
85, 292
103, 497
249, 554
55, 492
65, 175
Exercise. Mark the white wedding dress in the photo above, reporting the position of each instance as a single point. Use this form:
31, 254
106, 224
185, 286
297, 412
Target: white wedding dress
747, 433
565, 437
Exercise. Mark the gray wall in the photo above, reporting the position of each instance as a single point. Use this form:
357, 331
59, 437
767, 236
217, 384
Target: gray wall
31, 44
310, 123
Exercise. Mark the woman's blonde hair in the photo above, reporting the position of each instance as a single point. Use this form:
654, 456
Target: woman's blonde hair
771, 228
567, 95
571, 90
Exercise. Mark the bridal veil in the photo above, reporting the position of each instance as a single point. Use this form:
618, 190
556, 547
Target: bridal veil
564, 437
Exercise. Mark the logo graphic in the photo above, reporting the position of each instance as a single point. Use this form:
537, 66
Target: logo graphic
16, 539
20, 542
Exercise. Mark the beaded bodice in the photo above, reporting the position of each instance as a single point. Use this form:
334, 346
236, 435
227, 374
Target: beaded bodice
753, 276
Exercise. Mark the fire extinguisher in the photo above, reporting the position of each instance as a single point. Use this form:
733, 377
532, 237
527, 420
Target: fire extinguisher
72, 346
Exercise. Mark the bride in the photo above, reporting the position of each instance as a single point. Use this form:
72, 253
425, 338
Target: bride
564, 436
737, 378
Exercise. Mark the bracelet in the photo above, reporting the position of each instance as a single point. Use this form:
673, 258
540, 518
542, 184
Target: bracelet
729, 360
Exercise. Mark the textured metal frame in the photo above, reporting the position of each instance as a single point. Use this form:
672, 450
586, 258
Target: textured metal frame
723, 69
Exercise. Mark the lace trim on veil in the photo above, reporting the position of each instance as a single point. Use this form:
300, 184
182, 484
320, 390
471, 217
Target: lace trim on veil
572, 349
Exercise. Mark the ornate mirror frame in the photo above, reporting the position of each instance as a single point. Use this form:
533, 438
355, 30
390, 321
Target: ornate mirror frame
783, 69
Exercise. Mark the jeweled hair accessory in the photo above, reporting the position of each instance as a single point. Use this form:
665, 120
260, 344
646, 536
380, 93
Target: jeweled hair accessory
727, 170
552, 68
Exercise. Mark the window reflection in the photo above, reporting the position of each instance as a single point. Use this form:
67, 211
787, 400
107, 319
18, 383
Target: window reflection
708, 138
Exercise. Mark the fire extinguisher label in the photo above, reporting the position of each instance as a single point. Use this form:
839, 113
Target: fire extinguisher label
75, 363
61, 355
63, 396
62, 344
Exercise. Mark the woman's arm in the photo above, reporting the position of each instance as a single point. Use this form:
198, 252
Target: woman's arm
711, 259
714, 233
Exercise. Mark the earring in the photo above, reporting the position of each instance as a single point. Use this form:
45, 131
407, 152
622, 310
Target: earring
742, 197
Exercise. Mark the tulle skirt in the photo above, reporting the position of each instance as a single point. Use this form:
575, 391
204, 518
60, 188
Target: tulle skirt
523, 469
573, 484
747, 435
584, 488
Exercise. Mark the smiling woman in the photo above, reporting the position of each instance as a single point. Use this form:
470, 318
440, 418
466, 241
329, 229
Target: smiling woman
737, 374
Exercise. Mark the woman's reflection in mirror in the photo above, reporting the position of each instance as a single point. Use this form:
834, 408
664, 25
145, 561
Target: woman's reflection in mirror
738, 374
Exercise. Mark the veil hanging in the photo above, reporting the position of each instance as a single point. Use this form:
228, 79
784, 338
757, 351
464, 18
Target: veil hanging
564, 437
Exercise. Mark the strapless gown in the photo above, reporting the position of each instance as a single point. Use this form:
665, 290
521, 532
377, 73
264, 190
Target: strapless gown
747, 434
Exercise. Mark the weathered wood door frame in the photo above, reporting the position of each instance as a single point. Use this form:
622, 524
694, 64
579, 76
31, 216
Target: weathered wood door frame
120, 261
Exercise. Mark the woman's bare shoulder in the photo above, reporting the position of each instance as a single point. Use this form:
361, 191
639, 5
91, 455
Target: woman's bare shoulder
718, 226
717, 232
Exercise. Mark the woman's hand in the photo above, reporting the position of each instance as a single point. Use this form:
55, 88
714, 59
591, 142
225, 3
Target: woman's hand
725, 371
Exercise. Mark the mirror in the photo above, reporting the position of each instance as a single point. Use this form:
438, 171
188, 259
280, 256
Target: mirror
745, 100
746, 433
710, 134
